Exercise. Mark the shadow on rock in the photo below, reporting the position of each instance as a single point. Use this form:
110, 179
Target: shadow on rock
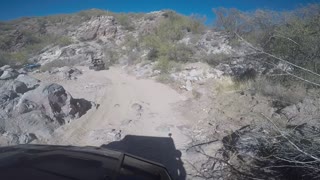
158, 149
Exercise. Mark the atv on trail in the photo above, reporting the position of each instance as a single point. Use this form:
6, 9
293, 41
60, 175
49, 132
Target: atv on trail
97, 65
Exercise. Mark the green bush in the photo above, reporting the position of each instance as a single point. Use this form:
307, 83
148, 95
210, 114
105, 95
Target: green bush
279, 92
216, 59
5, 42
4, 58
181, 53
131, 43
174, 26
163, 65
125, 21
20, 57
165, 78
63, 41
163, 42
111, 56
13, 58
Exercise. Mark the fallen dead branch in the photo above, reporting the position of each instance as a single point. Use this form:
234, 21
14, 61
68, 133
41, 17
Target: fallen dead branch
201, 144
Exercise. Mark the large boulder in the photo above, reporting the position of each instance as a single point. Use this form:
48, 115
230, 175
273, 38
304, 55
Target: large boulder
74, 54
19, 87
69, 73
29, 126
8, 99
54, 101
5, 67
30, 82
35, 114
9, 74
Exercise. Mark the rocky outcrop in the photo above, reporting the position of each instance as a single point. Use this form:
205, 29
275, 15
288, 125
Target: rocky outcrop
29, 81
195, 73
68, 73
53, 101
9, 74
214, 43
32, 110
74, 54
103, 27
19, 87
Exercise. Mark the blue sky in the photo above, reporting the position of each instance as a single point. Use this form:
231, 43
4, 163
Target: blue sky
12, 9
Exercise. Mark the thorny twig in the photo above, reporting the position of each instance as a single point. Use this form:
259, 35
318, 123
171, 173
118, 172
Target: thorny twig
292, 143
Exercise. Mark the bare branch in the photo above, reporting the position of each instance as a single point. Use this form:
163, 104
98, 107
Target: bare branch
201, 144
295, 76
293, 144
275, 57
286, 38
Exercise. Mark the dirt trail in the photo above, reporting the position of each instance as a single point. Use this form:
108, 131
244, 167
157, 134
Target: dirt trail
127, 106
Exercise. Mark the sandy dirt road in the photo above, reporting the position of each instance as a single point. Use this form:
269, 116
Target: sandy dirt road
127, 106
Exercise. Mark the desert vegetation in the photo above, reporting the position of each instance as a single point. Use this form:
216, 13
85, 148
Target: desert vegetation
281, 150
287, 37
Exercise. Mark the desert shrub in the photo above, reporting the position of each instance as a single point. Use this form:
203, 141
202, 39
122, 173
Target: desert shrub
163, 42
228, 84
166, 66
153, 54
149, 17
5, 42
271, 150
87, 15
196, 94
4, 58
56, 18
216, 59
111, 56
13, 58
159, 48
30, 37
133, 57
19, 57
277, 91
174, 26
196, 23
5, 26
125, 21
181, 53
163, 64
131, 43
292, 35
165, 78
63, 41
